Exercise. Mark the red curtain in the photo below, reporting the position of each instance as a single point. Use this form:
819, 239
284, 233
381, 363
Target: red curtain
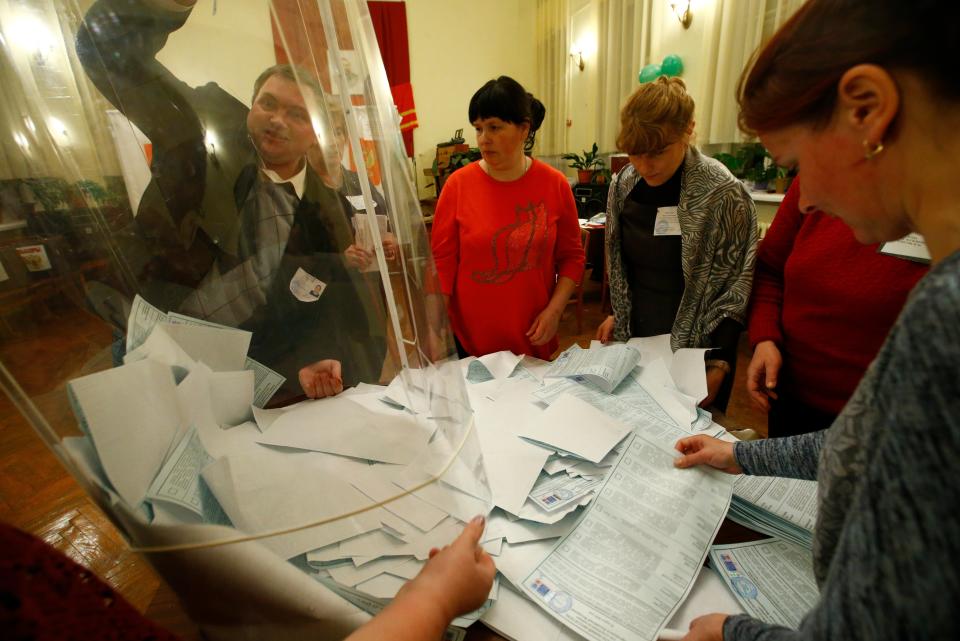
301, 28
390, 24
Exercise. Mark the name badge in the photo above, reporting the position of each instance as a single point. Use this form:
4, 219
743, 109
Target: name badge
305, 287
357, 203
667, 223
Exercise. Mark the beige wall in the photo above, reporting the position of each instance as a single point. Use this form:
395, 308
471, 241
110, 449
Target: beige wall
669, 37
456, 46
230, 48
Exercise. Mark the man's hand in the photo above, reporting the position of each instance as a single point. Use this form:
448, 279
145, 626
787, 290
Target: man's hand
358, 257
605, 331
709, 627
544, 326
762, 374
706, 450
390, 246
321, 379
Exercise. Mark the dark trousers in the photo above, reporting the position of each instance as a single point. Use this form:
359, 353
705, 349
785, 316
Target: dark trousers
789, 417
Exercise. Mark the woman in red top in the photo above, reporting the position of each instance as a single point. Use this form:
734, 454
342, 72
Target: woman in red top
822, 305
506, 238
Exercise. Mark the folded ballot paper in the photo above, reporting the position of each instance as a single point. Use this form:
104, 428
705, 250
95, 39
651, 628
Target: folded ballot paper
346, 488
781, 507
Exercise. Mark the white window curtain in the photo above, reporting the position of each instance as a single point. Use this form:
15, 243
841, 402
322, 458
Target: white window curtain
623, 48
553, 48
739, 28
52, 122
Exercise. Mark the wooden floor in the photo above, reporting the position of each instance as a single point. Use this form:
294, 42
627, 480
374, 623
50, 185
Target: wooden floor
37, 494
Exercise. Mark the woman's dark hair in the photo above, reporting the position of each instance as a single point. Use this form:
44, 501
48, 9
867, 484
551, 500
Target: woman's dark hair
793, 79
506, 99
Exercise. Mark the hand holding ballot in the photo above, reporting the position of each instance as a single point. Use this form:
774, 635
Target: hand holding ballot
454, 581
709, 627
706, 450
321, 379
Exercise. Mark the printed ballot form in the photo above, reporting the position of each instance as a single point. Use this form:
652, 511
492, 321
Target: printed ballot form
629, 563
772, 579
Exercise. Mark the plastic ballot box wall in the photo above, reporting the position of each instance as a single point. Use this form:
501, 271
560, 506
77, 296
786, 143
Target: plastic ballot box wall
218, 196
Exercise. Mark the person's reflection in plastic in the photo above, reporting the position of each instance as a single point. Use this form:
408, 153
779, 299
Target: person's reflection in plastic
234, 219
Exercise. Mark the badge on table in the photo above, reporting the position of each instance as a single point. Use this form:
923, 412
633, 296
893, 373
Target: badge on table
667, 223
305, 287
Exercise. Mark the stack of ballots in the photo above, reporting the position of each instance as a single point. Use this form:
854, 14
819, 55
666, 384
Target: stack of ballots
346, 488
599, 535
781, 507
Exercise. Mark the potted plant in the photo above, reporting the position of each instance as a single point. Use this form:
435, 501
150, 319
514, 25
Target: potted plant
782, 182
585, 163
602, 175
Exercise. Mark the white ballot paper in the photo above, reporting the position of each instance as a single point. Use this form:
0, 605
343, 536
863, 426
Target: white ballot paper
131, 415
337, 425
143, 316
604, 367
781, 507
266, 381
577, 427
626, 567
772, 579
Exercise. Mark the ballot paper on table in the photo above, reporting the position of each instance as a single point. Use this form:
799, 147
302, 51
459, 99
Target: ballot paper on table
781, 507
772, 579
109, 404
337, 425
605, 367
512, 464
577, 427
626, 567
266, 381
144, 317
551, 493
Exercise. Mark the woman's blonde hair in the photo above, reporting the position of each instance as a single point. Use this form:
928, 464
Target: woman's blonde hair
655, 116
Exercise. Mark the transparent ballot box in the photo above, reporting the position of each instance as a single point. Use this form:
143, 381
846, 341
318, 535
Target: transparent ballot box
219, 306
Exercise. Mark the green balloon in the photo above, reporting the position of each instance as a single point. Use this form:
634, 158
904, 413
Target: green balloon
648, 73
672, 65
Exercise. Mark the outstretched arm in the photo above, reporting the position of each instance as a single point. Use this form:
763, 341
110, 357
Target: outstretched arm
454, 581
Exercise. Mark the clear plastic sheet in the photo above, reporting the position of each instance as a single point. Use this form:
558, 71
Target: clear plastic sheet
210, 230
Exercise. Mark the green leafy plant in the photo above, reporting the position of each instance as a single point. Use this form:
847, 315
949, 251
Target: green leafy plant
586, 161
463, 158
731, 162
94, 190
50, 192
602, 175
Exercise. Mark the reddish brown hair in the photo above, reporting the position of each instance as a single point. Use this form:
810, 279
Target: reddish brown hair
655, 115
793, 79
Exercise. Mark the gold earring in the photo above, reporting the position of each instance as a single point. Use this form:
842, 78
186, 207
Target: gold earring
872, 149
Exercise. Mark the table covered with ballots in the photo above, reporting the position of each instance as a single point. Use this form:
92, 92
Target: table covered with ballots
594, 533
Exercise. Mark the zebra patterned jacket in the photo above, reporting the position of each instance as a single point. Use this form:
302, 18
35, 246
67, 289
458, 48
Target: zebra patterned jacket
718, 225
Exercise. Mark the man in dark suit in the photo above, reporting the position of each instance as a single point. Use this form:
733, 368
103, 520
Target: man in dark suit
235, 227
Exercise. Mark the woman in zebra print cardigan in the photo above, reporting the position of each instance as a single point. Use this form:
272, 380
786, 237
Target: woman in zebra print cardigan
681, 237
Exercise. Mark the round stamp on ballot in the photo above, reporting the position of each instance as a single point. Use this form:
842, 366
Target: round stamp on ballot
561, 602
744, 587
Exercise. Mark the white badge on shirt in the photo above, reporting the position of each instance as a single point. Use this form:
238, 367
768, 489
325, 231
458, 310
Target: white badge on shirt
667, 223
305, 287
357, 203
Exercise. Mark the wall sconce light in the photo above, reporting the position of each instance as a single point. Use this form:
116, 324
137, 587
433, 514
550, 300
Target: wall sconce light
682, 10
577, 56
